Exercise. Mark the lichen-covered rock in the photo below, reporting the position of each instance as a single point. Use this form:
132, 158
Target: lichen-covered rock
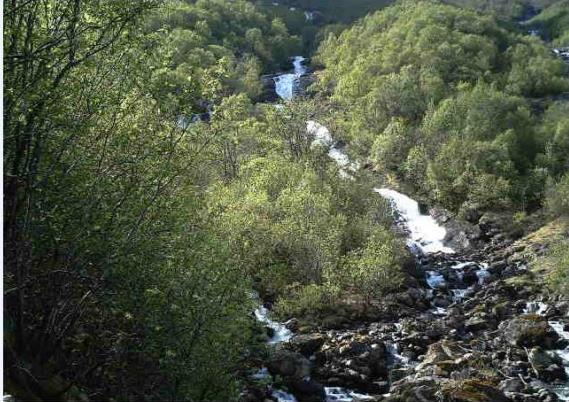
528, 331
472, 390
415, 391
441, 352
307, 344
289, 364
548, 365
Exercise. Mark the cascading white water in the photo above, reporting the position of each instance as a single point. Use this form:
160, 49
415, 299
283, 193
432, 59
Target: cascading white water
562, 53
283, 334
310, 16
321, 133
538, 308
435, 280
563, 391
336, 394
282, 396
459, 294
396, 356
285, 87
280, 332
541, 308
285, 84
425, 234
483, 274
322, 137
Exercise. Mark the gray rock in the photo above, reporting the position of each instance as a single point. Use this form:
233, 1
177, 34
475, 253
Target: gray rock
473, 390
529, 331
512, 385
548, 365
476, 324
307, 344
289, 365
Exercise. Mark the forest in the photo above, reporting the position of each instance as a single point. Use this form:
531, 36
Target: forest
173, 231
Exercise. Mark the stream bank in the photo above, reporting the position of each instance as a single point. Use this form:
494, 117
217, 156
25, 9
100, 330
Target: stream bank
474, 326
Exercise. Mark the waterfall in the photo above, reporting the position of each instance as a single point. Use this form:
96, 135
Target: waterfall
280, 332
285, 84
425, 234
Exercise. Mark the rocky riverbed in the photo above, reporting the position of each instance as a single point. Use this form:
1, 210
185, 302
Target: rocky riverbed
473, 322
464, 336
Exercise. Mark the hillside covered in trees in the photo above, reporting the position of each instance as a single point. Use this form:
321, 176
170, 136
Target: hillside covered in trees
394, 229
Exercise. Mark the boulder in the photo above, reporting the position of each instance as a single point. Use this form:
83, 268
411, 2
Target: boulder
307, 390
547, 365
292, 324
475, 324
441, 352
289, 364
472, 390
268, 93
528, 331
472, 215
377, 360
512, 385
417, 391
441, 301
307, 344
354, 348
470, 278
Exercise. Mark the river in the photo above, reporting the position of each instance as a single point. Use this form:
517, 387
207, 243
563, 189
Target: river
425, 239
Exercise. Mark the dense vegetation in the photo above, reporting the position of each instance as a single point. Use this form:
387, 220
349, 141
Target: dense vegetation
206, 50
458, 106
343, 12
133, 239
442, 97
505, 9
553, 21
296, 233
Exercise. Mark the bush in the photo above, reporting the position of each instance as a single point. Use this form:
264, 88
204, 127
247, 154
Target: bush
375, 269
556, 262
437, 94
557, 200
305, 299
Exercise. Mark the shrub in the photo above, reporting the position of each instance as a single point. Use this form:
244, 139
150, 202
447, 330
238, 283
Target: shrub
374, 269
305, 299
556, 262
557, 201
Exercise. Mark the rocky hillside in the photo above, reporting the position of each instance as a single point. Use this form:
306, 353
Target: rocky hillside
484, 329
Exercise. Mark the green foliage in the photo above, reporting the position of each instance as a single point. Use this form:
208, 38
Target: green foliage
554, 137
292, 230
374, 269
506, 9
216, 47
301, 300
283, 219
533, 73
486, 143
554, 22
331, 11
437, 95
557, 200
390, 149
556, 263
117, 279
133, 239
